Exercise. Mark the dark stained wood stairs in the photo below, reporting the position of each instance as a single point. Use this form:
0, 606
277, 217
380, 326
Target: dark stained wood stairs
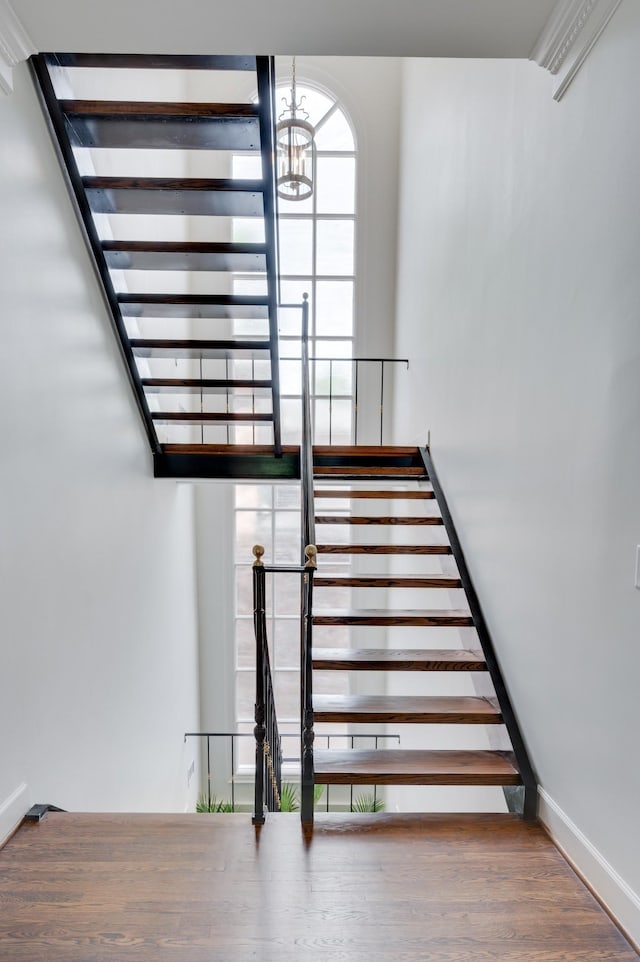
202, 356
410, 485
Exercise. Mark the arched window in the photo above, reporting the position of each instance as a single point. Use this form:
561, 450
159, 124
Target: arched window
317, 255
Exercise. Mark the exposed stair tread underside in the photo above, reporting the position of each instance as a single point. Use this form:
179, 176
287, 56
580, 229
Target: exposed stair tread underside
414, 767
209, 417
161, 126
398, 659
148, 61
154, 347
159, 385
416, 709
184, 256
194, 305
179, 196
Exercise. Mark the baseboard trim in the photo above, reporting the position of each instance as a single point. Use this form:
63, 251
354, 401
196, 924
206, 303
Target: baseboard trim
12, 811
616, 897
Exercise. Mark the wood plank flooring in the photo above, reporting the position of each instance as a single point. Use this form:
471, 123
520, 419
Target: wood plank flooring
367, 888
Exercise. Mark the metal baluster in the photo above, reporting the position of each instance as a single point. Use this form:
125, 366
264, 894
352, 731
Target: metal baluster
226, 371
259, 730
233, 777
330, 399
355, 404
201, 403
381, 401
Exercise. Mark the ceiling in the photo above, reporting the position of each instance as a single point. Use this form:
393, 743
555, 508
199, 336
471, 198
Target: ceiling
402, 28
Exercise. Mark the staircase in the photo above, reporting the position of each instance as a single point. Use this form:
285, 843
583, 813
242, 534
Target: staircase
196, 321
202, 356
394, 492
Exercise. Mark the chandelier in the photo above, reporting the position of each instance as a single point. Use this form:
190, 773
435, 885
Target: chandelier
295, 151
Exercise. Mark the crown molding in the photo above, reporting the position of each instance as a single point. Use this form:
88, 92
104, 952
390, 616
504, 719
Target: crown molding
15, 45
569, 36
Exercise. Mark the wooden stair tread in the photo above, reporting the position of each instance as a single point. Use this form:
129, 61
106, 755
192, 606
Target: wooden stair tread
385, 616
213, 197
153, 347
427, 549
418, 709
194, 305
161, 126
386, 581
374, 495
162, 385
376, 520
209, 417
184, 256
414, 767
397, 659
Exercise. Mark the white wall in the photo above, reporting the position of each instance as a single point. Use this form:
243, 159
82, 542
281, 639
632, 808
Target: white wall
98, 649
518, 299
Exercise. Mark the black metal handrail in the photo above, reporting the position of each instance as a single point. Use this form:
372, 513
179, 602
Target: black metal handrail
268, 740
527, 805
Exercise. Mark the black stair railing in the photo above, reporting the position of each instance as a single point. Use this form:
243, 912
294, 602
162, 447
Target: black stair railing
265, 68
268, 739
268, 781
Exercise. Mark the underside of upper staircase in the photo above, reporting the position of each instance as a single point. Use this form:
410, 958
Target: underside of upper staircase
156, 152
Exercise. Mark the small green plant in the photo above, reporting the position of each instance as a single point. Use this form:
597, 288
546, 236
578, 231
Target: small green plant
289, 797
318, 792
367, 803
204, 804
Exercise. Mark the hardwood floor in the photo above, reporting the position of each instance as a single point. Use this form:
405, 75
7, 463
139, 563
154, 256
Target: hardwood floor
211, 888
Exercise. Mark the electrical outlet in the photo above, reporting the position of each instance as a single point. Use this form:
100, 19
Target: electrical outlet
637, 581
190, 772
